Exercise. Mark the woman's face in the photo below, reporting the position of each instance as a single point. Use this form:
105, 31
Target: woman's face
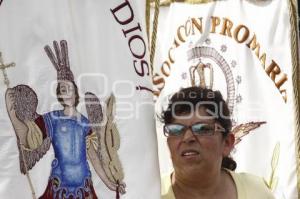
67, 93
191, 152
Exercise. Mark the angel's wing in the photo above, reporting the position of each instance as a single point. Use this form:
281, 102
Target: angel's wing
108, 140
244, 129
25, 105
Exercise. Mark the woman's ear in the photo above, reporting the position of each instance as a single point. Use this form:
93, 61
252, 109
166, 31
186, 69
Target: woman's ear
229, 141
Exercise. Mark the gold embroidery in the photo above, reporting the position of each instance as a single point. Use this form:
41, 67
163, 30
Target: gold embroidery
199, 68
34, 135
111, 142
105, 138
92, 140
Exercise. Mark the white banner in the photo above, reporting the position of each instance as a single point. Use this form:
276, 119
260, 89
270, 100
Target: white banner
108, 54
244, 50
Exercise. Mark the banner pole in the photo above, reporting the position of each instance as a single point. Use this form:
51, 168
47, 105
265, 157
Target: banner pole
3, 67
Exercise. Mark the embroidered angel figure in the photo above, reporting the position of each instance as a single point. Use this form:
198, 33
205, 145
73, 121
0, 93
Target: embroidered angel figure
74, 138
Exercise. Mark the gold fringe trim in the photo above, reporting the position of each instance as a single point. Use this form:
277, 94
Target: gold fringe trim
148, 8
154, 33
295, 79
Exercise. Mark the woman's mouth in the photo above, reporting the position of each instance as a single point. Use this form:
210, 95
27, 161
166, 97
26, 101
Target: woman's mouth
188, 153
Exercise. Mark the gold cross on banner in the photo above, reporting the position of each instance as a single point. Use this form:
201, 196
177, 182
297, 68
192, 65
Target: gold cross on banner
3, 67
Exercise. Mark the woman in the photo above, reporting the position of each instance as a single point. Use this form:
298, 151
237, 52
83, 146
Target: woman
197, 126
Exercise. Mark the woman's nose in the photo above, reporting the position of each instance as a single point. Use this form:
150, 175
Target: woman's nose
188, 136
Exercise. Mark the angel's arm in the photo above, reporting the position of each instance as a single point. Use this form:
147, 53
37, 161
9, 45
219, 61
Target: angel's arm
93, 157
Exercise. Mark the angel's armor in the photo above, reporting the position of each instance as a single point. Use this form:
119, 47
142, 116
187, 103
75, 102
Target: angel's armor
70, 174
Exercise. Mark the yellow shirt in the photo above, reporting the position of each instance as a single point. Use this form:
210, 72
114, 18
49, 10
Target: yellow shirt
248, 187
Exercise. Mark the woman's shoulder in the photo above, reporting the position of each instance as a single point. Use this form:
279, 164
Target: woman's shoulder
251, 186
250, 180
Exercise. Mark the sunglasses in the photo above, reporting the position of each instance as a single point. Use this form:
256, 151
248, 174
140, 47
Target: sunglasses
201, 129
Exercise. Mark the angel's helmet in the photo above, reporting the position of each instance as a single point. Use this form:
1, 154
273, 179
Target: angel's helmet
66, 90
188, 100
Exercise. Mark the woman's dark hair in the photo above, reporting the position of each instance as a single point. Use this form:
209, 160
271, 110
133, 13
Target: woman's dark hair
188, 99
61, 101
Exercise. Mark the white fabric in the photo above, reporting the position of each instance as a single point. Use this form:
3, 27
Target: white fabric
260, 99
102, 63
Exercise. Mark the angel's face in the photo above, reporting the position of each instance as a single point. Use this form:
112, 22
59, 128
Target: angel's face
67, 93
